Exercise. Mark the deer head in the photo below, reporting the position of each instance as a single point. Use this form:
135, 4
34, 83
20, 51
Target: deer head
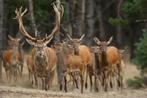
103, 44
13, 42
75, 42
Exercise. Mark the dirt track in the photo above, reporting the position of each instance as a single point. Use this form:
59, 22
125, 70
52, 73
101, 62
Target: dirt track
13, 92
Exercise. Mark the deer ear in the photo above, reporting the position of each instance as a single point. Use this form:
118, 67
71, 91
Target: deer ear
110, 40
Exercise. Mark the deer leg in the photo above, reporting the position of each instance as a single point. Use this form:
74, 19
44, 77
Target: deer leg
42, 83
65, 84
50, 80
65, 80
15, 75
29, 75
31, 78
105, 82
103, 79
10, 75
120, 80
96, 82
82, 82
74, 80
61, 82
35, 80
120, 77
7, 74
61, 85
111, 81
21, 69
91, 84
86, 77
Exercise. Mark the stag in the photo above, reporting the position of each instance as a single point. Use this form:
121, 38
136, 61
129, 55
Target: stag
13, 59
44, 58
110, 61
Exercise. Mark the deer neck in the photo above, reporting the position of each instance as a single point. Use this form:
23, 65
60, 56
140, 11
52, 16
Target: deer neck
104, 58
76, 49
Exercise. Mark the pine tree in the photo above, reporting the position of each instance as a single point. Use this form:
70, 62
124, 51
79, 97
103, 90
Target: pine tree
141, 53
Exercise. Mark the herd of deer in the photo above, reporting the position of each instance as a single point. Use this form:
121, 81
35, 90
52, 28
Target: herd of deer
67, 58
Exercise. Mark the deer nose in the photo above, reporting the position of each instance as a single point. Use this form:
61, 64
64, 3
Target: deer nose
40, 54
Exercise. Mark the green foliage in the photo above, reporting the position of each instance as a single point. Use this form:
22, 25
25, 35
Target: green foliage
117, 21
131, 8
141, 52
12, 5
43, 12
135, 9
136, 83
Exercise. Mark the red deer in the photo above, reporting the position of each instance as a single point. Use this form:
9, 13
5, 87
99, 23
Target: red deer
44, 58
84, 52
68, 63
12, 59
96, 67
110, 60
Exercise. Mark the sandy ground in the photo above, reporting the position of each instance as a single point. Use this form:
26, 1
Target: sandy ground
13, 92
23, 89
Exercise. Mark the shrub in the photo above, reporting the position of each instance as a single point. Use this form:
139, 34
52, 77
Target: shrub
136, 83
141, 53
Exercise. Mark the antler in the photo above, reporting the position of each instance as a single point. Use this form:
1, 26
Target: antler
19, 15
60, 8
30, 39
62, 11
57, 26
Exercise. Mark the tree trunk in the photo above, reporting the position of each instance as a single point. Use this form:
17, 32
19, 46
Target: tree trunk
57, 35
90, 19
34, 27
119, 28
80, 13
1, 34
101, 22
73, 16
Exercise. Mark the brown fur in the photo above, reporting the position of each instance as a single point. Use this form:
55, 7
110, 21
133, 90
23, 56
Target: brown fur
51, 66
8, 61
